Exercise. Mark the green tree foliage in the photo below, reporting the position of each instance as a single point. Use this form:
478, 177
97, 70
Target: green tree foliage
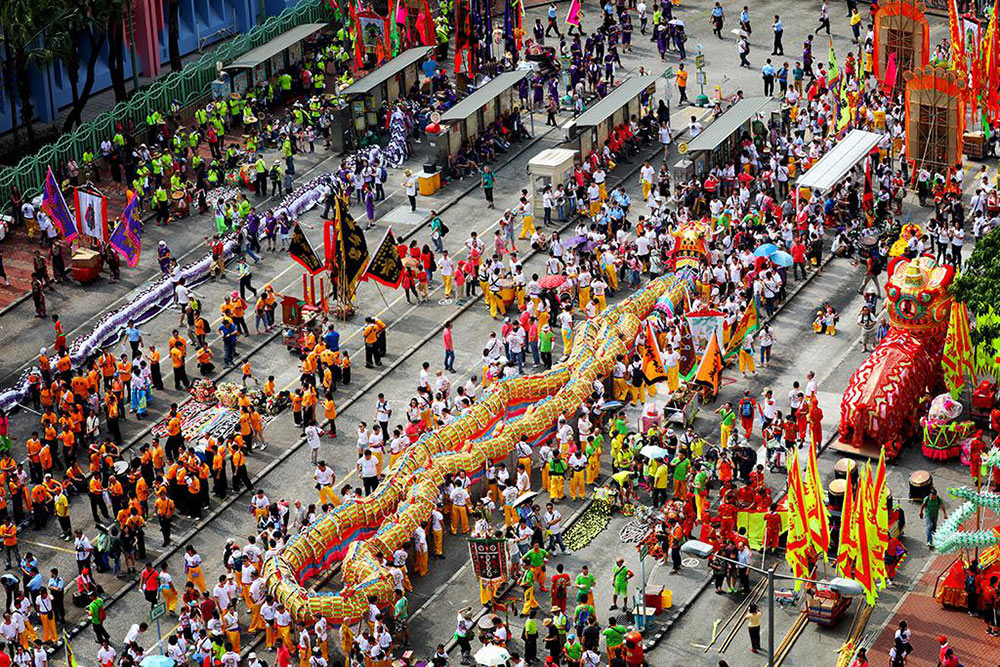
978, 285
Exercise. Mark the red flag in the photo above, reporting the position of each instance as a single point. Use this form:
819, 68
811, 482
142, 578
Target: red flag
359, 50
863, 564
848, 547
425, 26
890, 73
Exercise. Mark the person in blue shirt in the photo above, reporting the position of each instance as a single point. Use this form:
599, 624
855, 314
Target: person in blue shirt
745, 21
718, 19
229, 333
553, 21
779, 31
767, 73
332, 339
134, 338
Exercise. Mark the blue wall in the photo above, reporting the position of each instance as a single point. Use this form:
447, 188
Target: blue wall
202, 23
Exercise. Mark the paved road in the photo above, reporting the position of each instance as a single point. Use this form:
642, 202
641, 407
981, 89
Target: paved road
414, 337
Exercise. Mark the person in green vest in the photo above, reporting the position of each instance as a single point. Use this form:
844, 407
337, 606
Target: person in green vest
286, 152
537, 557
176, 184
726, 425
572, 651
201, 117
401, 614
620, 575
527, 584
584, 610
157, 171
285, 83
661, 482
529, 635
585, 585
700, 489
681, 464
275, 176
319, 82
557, 477
614, 637
260, 166
545, 337
160, 202
98, 615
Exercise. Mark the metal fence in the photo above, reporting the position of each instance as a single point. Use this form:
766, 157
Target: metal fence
187, 85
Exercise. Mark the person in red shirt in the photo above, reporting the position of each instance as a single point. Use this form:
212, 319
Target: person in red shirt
798, 252
772, 529
560, 585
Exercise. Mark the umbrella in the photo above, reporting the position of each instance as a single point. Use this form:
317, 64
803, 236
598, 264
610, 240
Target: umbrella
739, 32
492, 655
157, 661
552, 281
653, 452
611, 405
765, 250
781, 258
574, 241
677, 22
527, 495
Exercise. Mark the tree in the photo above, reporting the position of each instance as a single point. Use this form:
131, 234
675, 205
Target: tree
88, 21
978, 285
24, 24
174, 34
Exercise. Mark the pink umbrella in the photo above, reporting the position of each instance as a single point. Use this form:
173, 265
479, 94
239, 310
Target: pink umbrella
552, 282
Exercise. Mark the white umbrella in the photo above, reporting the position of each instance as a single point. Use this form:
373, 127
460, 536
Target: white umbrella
654, 452
739, 32
492, 655
676, 22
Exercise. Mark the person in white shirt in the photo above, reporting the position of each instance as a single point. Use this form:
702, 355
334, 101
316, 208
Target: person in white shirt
368, 471
313, 435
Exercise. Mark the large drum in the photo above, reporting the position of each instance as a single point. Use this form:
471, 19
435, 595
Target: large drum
506, 290
842, 466
86, 265
837, 489
180, 203
921, 482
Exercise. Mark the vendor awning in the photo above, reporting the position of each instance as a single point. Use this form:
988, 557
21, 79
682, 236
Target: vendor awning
369, 83
487, 92
723, 127
286, 39
615, 100
832, 167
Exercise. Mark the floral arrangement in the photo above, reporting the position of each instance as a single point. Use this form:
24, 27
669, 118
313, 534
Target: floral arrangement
203, 390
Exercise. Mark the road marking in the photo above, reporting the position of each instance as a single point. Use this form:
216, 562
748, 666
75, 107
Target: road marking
49, 546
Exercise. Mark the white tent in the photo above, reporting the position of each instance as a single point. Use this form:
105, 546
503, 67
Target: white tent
832, 167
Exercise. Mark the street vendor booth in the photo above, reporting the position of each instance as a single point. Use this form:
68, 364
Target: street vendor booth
594, 125
838, 162
717, 144
257, 66
466, 119
389, 82
550, 168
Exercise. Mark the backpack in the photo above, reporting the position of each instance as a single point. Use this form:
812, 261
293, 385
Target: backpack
746, 409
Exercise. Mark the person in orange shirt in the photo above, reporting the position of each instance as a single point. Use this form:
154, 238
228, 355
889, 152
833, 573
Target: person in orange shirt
181, 381
175, 439
240, 476
297, 407
68, 440
41, 500
164, 509
33, 446
155, 374
248, 374
309, 401
269, 389
205, 365
330, 413
257, 423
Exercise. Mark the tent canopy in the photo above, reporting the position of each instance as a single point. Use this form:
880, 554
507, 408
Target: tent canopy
286, 39
723, 127
832, 167
369, 83
615, 100
486, 93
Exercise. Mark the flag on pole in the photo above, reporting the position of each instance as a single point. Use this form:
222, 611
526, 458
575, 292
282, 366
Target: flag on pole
847, 547
301, 251
880, 523
748, 323
819, 524
353, 255
863, 562
652, 359
956, 362
573, 15
386, 266
957, 37
54, 206
126, 239
91, 213
70, 658
797, 544
889, 80
833, 75
710, 370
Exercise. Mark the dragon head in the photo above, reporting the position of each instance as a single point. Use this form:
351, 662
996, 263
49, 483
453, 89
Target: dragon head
691, 245
917, 291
